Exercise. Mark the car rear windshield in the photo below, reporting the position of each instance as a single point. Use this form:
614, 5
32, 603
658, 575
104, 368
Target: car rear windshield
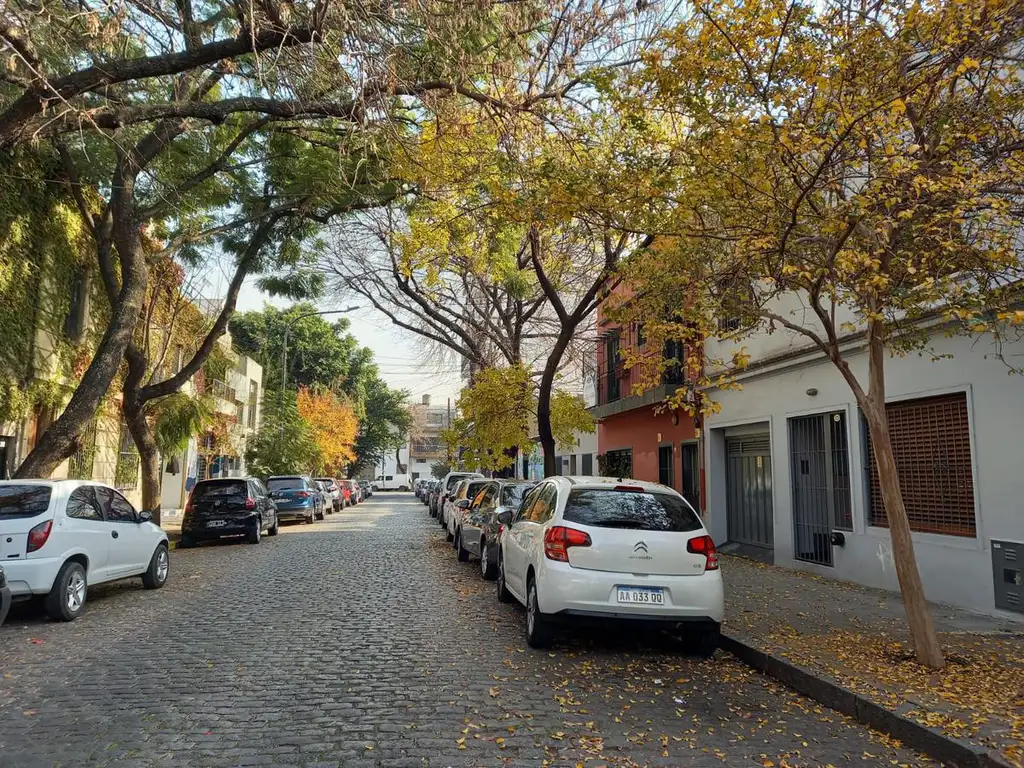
474, 488
23, 500
219, 489
284, 483
630, 509
455, 480
512, 495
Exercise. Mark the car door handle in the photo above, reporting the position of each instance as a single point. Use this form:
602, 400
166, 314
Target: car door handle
114, 534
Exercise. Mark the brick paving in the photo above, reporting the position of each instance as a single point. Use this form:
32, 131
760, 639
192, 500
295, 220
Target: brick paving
360, 641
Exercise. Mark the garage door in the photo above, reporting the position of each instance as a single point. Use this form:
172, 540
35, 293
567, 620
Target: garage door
749, 480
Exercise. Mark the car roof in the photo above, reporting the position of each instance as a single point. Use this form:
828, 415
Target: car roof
596, 482
57, 485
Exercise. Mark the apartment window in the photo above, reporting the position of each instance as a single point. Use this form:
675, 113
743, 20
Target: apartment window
932, 445
616, 463
254, 394
666, 476
674, 355
613, 365
74, 321
641, 339
126, 471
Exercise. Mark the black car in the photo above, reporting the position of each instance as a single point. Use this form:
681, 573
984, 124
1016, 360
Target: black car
235, 506
478, 532
5, 596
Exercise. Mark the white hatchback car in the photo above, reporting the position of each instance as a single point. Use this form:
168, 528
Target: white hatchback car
59, 536
604, 549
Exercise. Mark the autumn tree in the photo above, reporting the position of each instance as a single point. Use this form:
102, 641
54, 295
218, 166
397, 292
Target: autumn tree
162, 113
839, 172
333, 426
496, 413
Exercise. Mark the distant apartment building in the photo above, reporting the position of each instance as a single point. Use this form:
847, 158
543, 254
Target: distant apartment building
220, 451
426, 446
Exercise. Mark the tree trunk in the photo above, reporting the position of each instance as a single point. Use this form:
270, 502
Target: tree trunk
149, 458
547, 383
59, 441
922, 631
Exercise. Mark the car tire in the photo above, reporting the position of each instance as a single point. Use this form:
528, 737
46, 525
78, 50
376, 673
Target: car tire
253, 536
310, 519
66, 600
275, 528
187, 542
320, 516
403, 488
488, 570
538, 628
504, 596
704, 644
159, 568
461, 552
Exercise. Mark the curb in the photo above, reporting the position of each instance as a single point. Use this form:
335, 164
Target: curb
951, 751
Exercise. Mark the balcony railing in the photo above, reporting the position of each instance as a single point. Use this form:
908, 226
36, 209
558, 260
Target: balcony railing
222, 390
617, 382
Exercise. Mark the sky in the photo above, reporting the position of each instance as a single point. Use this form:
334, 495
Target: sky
402, 356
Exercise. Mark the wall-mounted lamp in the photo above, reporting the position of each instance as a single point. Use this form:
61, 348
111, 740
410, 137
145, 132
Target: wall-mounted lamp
812, 392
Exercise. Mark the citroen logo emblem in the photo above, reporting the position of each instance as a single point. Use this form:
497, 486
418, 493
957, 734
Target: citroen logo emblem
640, 546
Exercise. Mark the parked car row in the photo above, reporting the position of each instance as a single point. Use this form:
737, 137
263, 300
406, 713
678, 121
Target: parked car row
589, 550
58, 537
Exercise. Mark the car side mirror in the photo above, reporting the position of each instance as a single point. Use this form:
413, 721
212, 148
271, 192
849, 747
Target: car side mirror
146, 516
462, 503
505, 517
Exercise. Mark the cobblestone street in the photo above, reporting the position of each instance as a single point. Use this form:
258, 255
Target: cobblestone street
360, 641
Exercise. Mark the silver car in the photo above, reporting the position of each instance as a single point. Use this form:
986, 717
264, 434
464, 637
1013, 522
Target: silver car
478, 528
460, 501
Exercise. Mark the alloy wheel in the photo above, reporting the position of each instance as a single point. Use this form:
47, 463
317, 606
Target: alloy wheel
163, 565
75, 595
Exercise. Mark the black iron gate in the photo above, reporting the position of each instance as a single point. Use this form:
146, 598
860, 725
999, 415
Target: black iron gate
821, 484
749, 499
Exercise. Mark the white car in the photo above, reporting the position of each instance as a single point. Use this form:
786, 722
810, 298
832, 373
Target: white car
59, 536
448, 485
596, 548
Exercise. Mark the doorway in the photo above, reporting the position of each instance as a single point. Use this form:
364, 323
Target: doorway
748, 475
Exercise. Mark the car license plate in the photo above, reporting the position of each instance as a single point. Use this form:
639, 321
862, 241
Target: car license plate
641, 595
217, 523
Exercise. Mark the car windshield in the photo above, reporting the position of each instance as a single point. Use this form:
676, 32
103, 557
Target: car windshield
219, 489
284, 483
24, 500
326, 481
512, 495
630, 509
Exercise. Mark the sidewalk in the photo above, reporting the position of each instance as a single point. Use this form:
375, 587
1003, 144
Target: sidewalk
170, 521
849, 644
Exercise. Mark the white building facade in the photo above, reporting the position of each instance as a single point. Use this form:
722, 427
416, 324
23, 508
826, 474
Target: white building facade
790, 476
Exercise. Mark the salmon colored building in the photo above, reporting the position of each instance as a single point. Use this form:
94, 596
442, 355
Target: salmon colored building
636, 435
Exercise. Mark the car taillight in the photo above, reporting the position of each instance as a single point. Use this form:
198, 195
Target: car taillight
38, 536
558, 539
250, 503
303, 494
188, 504
629, 488
704, 545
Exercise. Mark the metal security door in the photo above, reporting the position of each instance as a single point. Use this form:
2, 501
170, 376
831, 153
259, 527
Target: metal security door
821, 487
749, 500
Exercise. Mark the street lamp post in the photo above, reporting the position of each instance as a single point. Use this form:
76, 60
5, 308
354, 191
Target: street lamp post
287, 331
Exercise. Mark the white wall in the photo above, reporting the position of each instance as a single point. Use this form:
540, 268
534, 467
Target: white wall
955, 569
